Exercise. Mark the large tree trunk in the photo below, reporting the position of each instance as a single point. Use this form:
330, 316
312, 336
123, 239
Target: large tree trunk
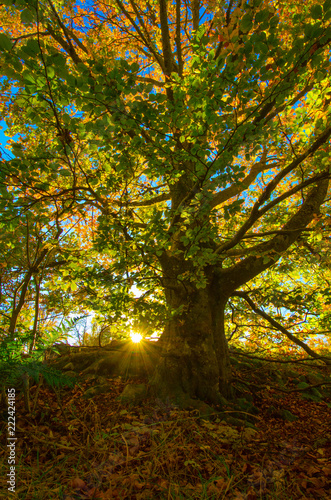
195, 357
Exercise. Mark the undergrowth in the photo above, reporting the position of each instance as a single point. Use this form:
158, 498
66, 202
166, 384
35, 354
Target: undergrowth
70, 447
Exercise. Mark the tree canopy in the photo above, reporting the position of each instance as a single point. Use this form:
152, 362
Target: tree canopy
179, 146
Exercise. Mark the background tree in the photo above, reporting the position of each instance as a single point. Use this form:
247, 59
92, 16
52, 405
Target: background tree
198, 132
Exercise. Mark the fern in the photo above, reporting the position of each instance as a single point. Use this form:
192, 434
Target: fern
12, 371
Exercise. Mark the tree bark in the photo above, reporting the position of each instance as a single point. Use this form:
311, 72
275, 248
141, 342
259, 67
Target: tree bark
194, 360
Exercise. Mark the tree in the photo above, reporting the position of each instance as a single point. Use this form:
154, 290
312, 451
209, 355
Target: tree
191, 129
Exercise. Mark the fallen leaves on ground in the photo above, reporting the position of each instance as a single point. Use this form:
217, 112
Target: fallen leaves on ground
71, 448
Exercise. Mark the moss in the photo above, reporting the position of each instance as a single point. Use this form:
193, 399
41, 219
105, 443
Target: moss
287, 415
133, 393
68, 366
94, 391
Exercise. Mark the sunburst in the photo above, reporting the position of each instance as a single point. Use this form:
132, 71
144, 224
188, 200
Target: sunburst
136, 337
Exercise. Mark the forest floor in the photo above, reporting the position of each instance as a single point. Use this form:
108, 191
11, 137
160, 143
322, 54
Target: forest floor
276, 446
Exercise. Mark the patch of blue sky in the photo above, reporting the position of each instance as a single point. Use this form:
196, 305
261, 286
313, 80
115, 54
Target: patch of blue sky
4, 139
73, 111
88, 6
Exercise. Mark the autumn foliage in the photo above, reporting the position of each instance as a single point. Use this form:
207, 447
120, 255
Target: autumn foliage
181, 147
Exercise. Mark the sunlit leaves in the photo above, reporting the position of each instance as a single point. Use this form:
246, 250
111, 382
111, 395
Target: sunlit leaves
149, 162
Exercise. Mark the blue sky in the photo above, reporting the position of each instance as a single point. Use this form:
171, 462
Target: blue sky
4, 140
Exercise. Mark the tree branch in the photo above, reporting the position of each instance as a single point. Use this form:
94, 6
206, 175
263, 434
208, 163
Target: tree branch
256, 213
280, 327
152, 201
195, 14
178, 39
157, 56
272, 250
238, 188
166, 45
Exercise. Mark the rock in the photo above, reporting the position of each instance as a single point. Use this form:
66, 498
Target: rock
314, 378
287, 415
282, 413
133, 393
273, 412
94, 391
68, 366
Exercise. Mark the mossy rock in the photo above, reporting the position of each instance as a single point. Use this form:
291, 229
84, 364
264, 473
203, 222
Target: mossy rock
68, 367
281, 413
326, 391
273, 412
312, 395
133, 394
101, 380
244, 405
96, 390
125, 360
287, 415
238, 422
314, 378
205, 411
291, 373
279, 376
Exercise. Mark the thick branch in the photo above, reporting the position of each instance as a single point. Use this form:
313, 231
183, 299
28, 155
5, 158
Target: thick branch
195, 13
238, 188
240, 252
271, 251
152, 201
68, 48
178, 38
166, 45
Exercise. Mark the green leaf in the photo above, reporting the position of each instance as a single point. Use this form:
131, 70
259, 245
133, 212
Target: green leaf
262, 15
31, 48
134, 67
316, 12
18, 66
28, 78
50, 72
57, 60
65, 172
246, 23
5, 42
26, 16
